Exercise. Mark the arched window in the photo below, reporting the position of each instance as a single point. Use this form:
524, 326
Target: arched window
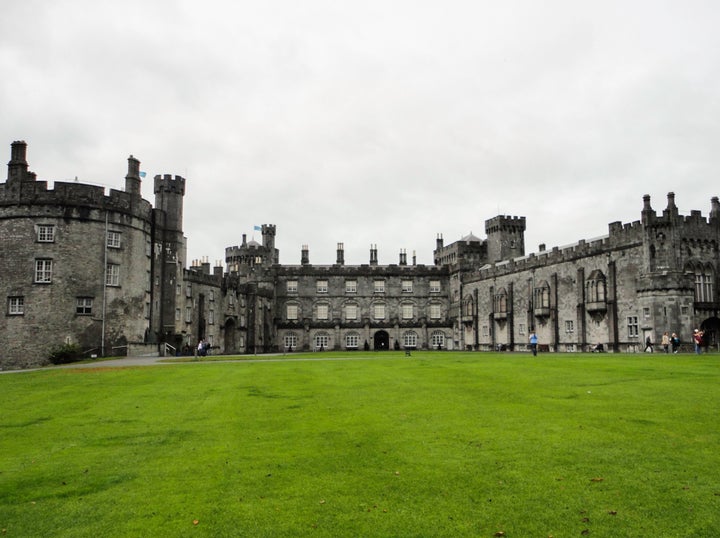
704, 282
291, 341
501, 306
321, 340
410, 339
595, 287
468, 306
437, 339
352, 340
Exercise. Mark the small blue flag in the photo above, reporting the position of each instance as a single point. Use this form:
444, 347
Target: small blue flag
258, 228
142, 174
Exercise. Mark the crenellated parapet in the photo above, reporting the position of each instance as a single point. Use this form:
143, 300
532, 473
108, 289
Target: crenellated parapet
363, 270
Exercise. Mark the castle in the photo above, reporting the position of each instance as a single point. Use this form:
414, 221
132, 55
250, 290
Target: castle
108, 272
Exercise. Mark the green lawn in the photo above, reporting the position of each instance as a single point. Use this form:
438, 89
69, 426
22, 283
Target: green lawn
377, 444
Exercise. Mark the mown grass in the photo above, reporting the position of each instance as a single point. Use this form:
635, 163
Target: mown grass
437, 444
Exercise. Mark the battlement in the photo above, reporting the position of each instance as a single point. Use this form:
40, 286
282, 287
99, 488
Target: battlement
166, 183
505, 223
360, 270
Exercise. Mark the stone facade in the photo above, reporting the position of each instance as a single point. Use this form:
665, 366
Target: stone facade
108, 271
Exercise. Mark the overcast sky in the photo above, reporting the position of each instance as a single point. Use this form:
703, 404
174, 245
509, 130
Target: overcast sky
373, 122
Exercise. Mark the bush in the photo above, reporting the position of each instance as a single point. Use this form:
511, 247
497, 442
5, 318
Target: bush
65, 354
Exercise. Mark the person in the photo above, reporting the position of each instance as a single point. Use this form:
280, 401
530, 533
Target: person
201, 348
533, 343
698, 339
648, 345
674, 342
666, 342
599, 348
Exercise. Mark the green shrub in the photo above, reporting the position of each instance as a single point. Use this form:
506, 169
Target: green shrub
65, 354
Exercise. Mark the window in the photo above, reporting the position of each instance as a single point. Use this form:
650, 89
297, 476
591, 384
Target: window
434, 286
188, 290
322, 340
351, 286
43, 271
435, 311
292, 311
379, 311
542, 296
322, 286
410, 339
16, 306
212, 295
352, 340
211, 317
437, 339
351, 311
46, 233
569, 326
291, 286
521, 329
485, 331
322, 311
188, 314
178, 290
407, 311
84, 306
379, 286
231, 299
703, 287
177, 314
501, 301
113, 239
646, 312
632, 325
290, 341
112, 274
407, 286
595, 287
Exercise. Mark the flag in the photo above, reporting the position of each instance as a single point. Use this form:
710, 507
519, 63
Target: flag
258, 228
142, 174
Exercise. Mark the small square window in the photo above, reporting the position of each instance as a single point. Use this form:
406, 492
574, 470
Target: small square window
46, 233
16, 306
84, 306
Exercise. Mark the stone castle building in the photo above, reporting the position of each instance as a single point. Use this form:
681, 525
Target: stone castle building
108, 273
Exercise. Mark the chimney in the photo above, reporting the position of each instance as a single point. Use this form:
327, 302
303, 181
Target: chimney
414, 258
305, 255
340, 254
439, 242
132, 179
403, 257
373, 255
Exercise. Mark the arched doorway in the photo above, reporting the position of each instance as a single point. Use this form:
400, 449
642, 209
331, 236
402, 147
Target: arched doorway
711, 328
230, 344
381, 341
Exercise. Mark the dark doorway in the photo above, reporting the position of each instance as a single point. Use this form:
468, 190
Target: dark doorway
381, 341
711, 328
229, 343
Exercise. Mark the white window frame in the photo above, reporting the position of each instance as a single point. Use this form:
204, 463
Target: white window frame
323, 311
379, 286
410, 339
351, 311
407, 286
435, 286
114, 239
16, 305
46, 233
321, 340
379, 311
569, 326
291, 286
112, 275
407, 310
43, 270
321, 286
435, 311
351, 286
633, 327
352, 340
291, 311
437, 337
290, 340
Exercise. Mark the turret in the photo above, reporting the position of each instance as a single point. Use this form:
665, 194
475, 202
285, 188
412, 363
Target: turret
505, 238
169, 194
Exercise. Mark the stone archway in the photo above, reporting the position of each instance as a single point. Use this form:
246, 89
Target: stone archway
230, 341
711, 328
381, 341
